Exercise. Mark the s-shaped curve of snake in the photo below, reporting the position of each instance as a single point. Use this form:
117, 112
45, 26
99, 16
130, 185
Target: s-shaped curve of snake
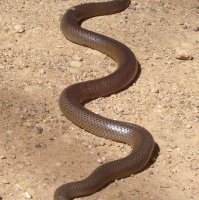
72, 101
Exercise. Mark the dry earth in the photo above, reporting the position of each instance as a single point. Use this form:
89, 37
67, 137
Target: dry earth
40, 149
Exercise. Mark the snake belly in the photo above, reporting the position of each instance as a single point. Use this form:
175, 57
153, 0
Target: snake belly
72, 101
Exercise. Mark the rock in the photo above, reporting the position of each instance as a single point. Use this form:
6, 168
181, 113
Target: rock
13, 156
27, 195
99, 161
185, 26
3, 157
188, 126
165, 185
5, 182
38, 146
102, 160
38, 129
74, 70
155, 89
151, 172
42, 72
183, 54
196, 28
75, 63
19, 28
77, 58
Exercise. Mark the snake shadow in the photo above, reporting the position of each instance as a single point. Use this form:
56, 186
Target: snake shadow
154, 156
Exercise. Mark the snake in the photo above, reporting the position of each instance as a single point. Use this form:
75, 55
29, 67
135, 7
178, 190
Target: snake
74, 97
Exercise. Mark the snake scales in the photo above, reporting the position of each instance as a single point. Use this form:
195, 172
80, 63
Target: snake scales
73, 98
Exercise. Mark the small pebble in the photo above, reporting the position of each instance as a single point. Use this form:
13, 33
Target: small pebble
196, 29
99, 161
165, 185
188, 126
19, 28
27, 195
155, 90
185, 26
77, 58
42, 71
183, 54
151, 172
38, 129
75, 63
13, 156
5, 182
38, 146
102, 160
3, 157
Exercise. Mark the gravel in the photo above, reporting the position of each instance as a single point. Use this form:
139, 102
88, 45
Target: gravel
40, 149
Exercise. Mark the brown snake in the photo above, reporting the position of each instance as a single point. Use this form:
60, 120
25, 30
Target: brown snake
72, 101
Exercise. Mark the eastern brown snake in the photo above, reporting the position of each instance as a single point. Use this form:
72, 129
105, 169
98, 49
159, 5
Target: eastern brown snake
72, 101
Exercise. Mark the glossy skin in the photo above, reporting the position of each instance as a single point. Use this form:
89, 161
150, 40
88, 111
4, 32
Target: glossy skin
72, 101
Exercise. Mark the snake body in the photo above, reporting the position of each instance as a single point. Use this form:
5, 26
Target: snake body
72, 101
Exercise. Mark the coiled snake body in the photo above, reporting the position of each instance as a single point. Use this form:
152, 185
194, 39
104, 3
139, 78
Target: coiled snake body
73, 98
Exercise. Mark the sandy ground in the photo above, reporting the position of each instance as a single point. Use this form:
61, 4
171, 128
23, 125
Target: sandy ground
40, 149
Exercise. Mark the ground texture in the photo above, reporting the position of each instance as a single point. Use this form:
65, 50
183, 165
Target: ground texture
40, 149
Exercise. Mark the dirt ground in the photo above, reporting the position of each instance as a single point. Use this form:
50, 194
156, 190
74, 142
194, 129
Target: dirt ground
40, 149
